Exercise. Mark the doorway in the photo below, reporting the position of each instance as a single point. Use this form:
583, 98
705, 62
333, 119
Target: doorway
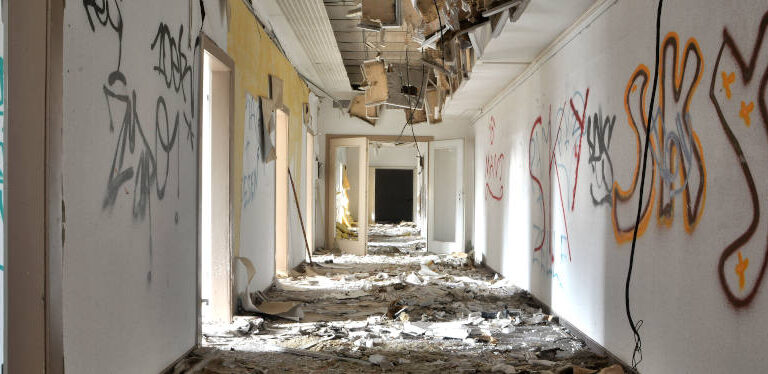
216, 301
446, 197
394, 200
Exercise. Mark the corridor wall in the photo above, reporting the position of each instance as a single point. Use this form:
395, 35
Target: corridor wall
557, 162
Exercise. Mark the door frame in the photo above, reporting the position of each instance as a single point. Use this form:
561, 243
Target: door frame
459, 228
34, 221
208, 45
371, 138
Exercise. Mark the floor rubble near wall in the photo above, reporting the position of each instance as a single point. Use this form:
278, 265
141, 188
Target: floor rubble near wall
398, 309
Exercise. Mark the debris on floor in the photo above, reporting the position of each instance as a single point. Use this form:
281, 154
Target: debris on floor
404, 311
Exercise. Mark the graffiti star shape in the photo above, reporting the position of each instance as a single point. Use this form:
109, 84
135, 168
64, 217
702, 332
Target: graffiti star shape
740, 269
746, 110
727, 80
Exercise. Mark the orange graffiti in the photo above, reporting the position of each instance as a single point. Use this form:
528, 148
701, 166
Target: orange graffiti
727, 80
746, 110
668, 153
741, 267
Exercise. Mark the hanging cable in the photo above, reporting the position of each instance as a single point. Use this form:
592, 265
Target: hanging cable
637, 354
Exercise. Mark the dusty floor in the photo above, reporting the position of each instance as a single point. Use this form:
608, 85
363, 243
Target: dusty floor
399, 309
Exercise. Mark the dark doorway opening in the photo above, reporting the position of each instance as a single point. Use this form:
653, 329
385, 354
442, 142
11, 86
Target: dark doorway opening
394, 195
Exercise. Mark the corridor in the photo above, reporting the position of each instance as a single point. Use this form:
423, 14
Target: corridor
405, 186
397, 309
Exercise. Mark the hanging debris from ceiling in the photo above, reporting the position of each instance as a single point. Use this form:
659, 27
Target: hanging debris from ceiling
417, 53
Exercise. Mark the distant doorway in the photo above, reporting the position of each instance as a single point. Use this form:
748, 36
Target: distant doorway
394, 195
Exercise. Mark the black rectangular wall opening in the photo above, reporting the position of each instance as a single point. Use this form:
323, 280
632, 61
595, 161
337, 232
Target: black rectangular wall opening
394, 195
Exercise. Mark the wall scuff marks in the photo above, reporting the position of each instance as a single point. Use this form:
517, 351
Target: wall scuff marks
744, 78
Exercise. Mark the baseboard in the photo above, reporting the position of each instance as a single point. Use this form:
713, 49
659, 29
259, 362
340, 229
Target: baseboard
591, 343
169, 369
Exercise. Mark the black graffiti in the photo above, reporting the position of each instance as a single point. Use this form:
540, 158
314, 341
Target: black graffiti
106, 15
130, 128
599, 134
172, 63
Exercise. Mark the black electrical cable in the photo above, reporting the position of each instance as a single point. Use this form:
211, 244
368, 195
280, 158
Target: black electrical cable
637, 354
409, 120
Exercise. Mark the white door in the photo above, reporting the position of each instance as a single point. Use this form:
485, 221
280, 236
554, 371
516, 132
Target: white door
445, 218
347, 189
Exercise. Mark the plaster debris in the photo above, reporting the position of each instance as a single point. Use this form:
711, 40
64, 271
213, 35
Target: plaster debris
504, 368
402, 310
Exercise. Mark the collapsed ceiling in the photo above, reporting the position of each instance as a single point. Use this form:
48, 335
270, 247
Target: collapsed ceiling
413, 54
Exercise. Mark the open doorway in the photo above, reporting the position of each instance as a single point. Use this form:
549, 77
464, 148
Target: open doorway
216, 303
397, 200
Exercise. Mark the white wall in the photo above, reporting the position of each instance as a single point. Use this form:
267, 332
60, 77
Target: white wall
388, 156
130, 182
336, 121
257, 220
557, 230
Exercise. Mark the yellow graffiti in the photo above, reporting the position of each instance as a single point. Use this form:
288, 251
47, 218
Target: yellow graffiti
746, 110
727, 80
740, 269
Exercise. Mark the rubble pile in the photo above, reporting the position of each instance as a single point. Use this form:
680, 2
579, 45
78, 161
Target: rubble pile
406, 312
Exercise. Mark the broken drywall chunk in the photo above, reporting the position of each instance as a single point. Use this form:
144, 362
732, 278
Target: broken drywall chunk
449, 330
415, 117
504, 368
434, 105
376, 76
383, 12
358, 109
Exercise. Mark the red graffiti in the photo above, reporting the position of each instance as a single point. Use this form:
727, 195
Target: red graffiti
492, 130
494, 172
572, 137
577, 151
541, 189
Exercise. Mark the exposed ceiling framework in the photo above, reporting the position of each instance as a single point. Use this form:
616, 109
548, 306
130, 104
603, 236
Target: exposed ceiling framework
313, 30
414, 54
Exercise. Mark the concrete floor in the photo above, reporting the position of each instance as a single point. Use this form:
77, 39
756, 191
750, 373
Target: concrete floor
398, 309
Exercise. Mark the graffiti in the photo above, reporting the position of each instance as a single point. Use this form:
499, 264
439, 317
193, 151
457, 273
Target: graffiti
251, 149
565, 155
677, 159
746, 110
107, 15
744, 79
599, 133
172, 62
494, 167
538, 141
143, 159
